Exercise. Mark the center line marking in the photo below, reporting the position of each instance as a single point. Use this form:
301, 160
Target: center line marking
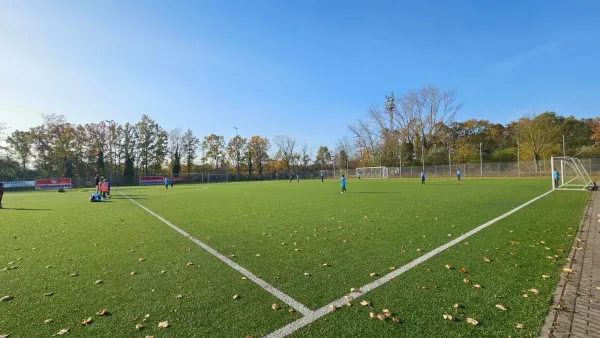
311, 317
266, 286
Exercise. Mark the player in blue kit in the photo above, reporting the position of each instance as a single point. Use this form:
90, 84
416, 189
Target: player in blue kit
343, 180
422, 178
458, 174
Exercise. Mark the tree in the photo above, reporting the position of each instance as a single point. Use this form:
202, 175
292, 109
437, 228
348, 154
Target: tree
190, 147
146, 141
344, 150
258, 148
323, 156
367, 141
215, 149
538, 134
286, 145
305, 156
235, 150
175, 141
20, 143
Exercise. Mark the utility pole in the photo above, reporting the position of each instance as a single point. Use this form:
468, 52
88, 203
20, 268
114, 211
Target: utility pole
564, 149
237, 154
423, 157
481, 159
518, 159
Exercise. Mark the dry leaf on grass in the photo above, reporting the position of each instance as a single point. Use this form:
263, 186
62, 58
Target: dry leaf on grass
567, 270
512, 253
466, 281
392, 268
63, 331
387, 312
139, 326
4, 335
501, 307
332, 308
6, 298
48, 294
519, 326
275, 307
418, 249
365, 303
456, 307
291, 310
372, 315
534, 291
179, 296
141, 259
190, 263
373, 274
463, 270
545, 276
48, 321
235, 296
87, 321
448, 317
101, 312
249, 336
380, 316
132, 273
477, 286
163, 325
395, 319
472, 321
485, 259
307, 274
449, 267
99, 281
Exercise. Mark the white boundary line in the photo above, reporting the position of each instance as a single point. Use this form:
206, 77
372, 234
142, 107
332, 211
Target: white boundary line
268, 287
313, 316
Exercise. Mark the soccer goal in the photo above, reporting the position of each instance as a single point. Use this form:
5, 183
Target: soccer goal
572, 174
372, 172
218, 178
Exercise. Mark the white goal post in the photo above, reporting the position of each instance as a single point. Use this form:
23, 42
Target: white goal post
571, 174
372, 172
218, 178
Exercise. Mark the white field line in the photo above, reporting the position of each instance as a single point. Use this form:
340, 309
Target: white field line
268, 287
307, 319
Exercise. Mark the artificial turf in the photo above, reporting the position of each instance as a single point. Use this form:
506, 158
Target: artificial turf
295, 228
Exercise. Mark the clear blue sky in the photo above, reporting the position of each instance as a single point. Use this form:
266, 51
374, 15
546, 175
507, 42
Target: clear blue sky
302, 67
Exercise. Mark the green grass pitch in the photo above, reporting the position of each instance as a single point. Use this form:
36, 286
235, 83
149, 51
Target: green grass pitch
306, 239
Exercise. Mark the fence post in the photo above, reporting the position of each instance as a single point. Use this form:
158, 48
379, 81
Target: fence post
499, 169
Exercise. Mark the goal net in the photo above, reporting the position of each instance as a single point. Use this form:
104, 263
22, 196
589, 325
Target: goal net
571, 174
372, 172
217, 178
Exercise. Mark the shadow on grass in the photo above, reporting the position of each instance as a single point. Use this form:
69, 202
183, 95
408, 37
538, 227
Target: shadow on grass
26, 209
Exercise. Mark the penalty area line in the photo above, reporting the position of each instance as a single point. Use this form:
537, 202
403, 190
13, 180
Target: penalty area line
308, 319
266, 286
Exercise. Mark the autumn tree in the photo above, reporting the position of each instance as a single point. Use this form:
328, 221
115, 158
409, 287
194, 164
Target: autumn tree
175, 144
190, 149
235, 151
215, 149
286, 145
538, 134
323, 156
259, 147
20, 143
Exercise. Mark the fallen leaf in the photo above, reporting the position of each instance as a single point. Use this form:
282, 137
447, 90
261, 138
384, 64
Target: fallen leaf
249, 336
179, 296
332, 308
418, 249
6, 298
501, 307
365, 303
141, 259
392, 268
86, 321
235, 296
524, 295
62, 331
598, 288
519, 326
163, 325
366, 217
372, 274
514, 242
380, 316
48, 294
257, 255
466, 281
567, 270
307, 274
325, 264
477, 286
139, 326
396, 320
190, 263
99, 281
485, 259
511, 253
472, 321
463, 270
448, 317
101, 312
449, 267
291, 310
545, 276
387, 312
48, 321
534, 291
372, 315
74, 275
275, 307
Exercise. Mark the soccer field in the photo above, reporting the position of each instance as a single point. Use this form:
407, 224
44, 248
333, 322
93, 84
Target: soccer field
301, 245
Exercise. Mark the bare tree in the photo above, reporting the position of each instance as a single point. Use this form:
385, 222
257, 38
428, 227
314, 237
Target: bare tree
367, 141
343, 148
306, 156
286, 145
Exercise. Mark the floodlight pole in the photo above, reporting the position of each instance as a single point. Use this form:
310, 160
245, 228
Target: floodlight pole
237, 159
481, 159
112, 135
564, 149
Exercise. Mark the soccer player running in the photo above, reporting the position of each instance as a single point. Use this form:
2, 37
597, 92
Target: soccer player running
458, 174
1, 193
556, 177
343, 180
166, 183
322, 177
422, 178
298, 177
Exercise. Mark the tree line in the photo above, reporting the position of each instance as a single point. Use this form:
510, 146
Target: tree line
419, 125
